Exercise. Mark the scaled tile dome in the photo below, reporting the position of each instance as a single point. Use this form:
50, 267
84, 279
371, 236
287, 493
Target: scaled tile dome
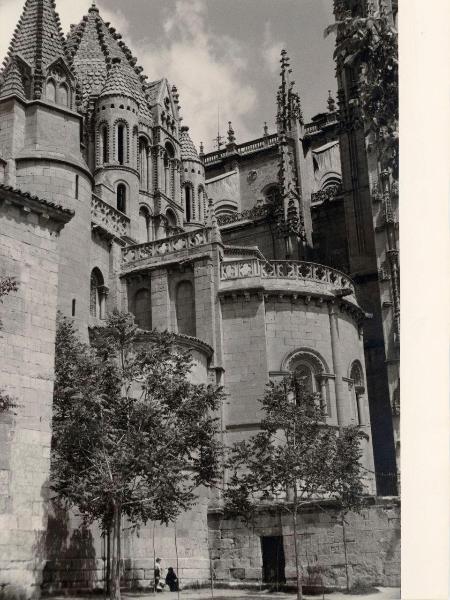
188, 150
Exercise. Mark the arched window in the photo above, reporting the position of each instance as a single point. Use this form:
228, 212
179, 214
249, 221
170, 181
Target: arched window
144, 169
356, 374
201, 204
122, 197
169, 171
145, 225
104, 143
309, 369
122, 143
188, 213
171, 218
98, 295
185, 308
63, 95
50, 91
305, 374
143, 309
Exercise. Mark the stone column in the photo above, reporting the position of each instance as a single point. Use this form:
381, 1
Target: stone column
160, 300
341, 409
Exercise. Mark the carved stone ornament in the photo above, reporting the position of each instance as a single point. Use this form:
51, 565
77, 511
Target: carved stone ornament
252, 176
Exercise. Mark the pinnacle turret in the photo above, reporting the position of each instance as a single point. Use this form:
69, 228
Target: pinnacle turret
103, 62
288, 100
38, 42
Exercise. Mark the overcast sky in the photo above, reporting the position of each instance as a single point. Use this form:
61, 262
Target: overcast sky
219, 53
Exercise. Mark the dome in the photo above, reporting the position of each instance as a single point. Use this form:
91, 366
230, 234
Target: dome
188, 150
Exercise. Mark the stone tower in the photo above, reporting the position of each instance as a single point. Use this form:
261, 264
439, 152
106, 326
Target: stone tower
371, 214
40, 138
193, 182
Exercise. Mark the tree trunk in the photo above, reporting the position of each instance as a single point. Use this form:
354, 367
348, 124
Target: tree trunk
297, 559
114, 585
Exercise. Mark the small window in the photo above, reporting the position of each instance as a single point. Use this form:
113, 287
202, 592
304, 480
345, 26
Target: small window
188, 203
74, 303
77, 186
120, 144
171, 218
98, 295
104, 143
121, 197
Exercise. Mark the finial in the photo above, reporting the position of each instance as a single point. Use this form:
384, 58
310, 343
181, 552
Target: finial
202, 151
266, 129
94, 6
230, 132
331, 102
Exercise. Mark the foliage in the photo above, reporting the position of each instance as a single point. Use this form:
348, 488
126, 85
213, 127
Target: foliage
7, 285
295, 458
132, 437
369, 46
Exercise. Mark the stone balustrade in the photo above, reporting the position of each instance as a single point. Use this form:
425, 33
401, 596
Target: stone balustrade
245, 148
286, 269
109, 219
169, 245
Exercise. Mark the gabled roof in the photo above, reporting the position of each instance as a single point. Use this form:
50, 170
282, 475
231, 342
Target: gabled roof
93, 45
188, 150
38, 40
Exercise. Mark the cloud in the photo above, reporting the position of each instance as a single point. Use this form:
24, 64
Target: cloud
210, 71
271, 49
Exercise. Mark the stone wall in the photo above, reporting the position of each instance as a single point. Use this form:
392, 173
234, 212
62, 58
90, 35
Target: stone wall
29, 253
372, 540
76, 554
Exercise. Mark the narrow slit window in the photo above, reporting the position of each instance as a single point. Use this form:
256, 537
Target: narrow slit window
120, 144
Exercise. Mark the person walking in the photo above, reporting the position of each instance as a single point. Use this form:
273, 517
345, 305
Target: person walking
158, 576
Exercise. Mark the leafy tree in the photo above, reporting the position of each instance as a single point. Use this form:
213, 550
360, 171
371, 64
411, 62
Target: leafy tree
132, 437
295, 459
7, 285
369, 45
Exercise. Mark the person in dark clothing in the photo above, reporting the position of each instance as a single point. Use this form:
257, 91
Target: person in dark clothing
172, 580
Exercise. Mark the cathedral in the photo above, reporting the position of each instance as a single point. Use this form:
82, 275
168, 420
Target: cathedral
249, 254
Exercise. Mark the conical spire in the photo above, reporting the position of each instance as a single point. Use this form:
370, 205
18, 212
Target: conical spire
93, 45
188, 149
38, 40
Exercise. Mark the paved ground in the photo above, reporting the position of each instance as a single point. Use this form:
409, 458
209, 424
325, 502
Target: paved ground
380, 594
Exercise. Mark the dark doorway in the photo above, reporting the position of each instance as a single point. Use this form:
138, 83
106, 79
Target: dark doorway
273, 559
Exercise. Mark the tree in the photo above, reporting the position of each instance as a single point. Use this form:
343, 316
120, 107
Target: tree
370, 46
132, 437
295, 459
7, 285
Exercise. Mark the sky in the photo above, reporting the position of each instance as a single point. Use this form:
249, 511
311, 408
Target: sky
223, 55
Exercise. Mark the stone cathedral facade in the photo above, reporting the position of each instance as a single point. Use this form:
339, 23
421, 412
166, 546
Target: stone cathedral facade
106, 203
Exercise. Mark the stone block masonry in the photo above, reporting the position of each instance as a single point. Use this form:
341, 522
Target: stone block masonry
371, 541
29, 234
